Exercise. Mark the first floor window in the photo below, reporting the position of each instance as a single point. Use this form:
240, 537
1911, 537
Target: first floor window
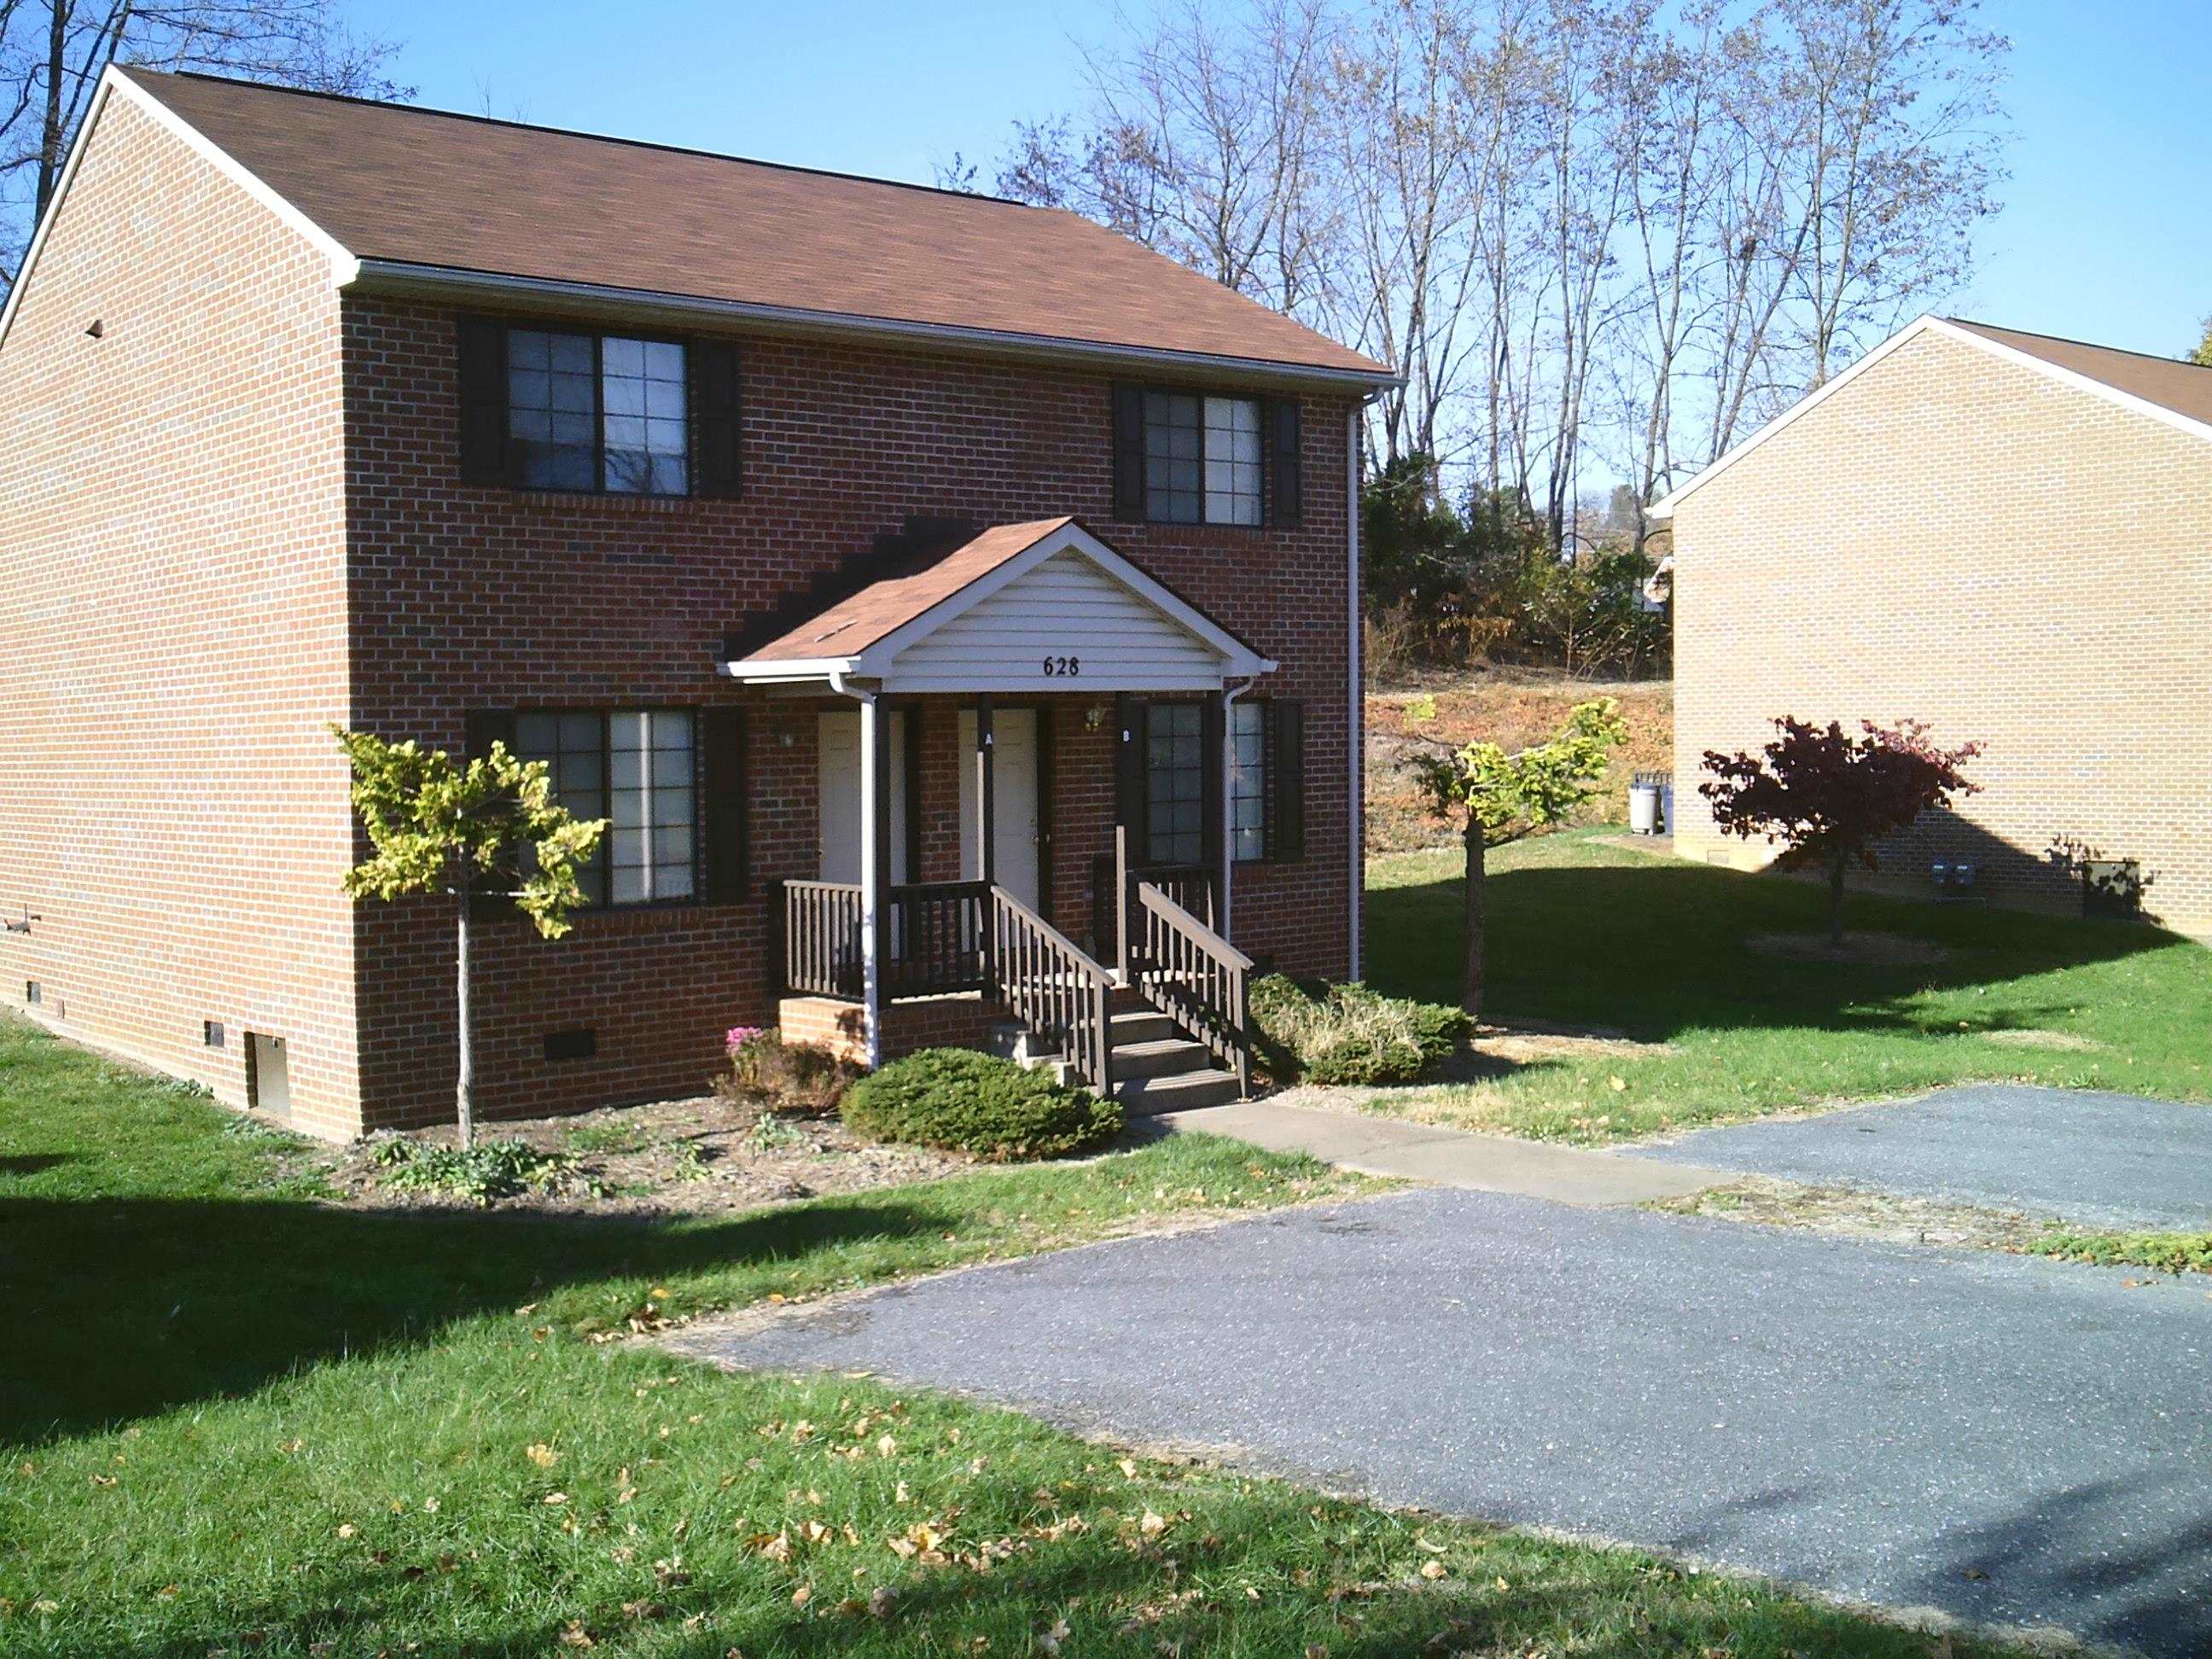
1248, 781
599, 412
1202, 458
635, 768
1174, 783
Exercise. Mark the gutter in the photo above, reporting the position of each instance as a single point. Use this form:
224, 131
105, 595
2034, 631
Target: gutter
407, 278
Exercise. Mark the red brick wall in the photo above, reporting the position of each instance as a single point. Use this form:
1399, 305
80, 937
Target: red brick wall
467, 597
172, 628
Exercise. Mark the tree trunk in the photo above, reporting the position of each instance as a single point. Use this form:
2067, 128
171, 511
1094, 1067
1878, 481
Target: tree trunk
1836, 866
50, 122
1471, 996
464, 1086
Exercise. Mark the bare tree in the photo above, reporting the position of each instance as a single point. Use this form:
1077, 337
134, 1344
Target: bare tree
53, 55
1202, 142
1600, 235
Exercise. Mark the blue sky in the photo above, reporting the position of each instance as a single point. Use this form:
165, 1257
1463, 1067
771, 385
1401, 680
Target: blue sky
2104, 235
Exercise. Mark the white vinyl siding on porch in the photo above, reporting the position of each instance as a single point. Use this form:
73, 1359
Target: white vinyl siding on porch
1064, 625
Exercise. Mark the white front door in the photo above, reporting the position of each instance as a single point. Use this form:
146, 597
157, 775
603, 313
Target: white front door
1013, 801
840, 795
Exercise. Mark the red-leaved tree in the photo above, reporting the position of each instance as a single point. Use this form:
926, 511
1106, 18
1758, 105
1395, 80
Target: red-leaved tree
1828, 797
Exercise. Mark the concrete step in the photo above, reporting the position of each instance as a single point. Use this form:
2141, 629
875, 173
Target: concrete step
1160, 1057
1148, 1097
1146, 1024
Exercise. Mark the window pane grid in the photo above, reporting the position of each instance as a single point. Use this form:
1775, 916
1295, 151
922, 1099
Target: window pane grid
1248, 781
588, 412
1202, 460
1175, 784
634, 769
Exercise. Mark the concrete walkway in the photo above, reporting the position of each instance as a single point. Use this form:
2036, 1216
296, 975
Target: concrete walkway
1449, 1157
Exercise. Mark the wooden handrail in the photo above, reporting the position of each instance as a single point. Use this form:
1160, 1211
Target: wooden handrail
1052, 987
1196, 977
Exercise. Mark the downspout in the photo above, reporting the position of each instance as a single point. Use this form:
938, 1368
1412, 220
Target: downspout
1355, 802
872, 993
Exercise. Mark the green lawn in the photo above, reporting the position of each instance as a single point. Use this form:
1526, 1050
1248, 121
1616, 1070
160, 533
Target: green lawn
1586, 934
242, 1421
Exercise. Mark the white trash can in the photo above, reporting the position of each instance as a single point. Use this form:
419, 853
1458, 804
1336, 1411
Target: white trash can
1643, 808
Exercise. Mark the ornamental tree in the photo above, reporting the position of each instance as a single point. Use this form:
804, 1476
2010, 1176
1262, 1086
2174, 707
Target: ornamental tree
1494, 797
489, 827
1828, 797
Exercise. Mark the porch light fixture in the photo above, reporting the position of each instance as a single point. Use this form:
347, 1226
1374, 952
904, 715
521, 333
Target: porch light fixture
1094, 717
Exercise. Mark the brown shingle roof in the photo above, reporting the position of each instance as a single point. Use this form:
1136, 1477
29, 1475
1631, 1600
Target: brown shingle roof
852, 625
2184, 388
460, 193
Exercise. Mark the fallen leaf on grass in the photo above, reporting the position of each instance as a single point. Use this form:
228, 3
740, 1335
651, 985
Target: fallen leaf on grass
542, 1455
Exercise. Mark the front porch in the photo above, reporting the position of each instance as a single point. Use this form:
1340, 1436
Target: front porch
1064, 700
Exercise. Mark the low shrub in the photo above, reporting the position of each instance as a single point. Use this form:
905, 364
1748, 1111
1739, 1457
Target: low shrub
1350, 1034
2172, 1253
488, 1170
976, 1103
768, 1074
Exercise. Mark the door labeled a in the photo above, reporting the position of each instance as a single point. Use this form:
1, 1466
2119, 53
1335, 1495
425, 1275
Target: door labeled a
1014, 802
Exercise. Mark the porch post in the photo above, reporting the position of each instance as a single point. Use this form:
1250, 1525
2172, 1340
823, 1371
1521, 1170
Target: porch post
986, 793
875, 864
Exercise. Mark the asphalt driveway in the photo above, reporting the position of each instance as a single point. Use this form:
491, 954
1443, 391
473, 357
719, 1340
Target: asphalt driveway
2102, 1160
2009, 1439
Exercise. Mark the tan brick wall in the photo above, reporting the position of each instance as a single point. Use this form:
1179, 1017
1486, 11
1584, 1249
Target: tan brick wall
172, 628
1963, 540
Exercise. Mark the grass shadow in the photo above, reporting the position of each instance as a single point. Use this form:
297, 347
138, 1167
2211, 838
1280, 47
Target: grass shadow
130, 1305
1655, 948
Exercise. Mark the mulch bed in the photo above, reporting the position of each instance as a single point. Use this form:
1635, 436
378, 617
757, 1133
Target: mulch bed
699, 1157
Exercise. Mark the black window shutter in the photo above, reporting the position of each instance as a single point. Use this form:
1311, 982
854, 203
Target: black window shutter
722, 750
483, 401
1284, 461
487, 726
717, 418
1128, 451
1285, 734
1129, 773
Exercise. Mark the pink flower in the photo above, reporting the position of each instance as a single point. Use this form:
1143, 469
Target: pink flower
739, 1035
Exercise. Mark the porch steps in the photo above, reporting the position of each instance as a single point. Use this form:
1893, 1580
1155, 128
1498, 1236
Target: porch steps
1176, 1092
1156, 1067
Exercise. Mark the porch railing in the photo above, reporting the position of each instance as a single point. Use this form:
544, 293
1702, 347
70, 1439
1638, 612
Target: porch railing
822, 938
1196, 977
1190, 885
1052, 986
935, 940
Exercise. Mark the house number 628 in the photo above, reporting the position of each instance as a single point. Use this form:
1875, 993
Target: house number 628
1063, 667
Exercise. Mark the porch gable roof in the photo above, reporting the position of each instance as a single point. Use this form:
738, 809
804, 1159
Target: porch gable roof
1039, 605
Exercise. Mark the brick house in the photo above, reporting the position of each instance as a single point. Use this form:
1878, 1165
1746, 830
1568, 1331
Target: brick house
2006, 535
951, 604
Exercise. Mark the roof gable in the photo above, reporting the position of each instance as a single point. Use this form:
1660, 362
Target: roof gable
437, 192
2172, 394
1044, 605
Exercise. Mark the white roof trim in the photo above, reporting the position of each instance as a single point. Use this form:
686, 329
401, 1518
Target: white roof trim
879, 662
1664, 508
344, 267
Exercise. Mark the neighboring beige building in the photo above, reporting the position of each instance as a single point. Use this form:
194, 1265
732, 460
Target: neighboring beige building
2005, 535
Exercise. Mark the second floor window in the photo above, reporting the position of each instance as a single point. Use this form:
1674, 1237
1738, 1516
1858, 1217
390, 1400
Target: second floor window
1202, 458
593, 411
